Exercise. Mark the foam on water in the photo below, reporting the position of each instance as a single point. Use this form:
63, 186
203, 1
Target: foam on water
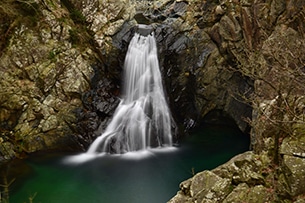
133, 155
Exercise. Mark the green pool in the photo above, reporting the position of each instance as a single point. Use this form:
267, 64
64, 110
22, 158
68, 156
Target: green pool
148, 177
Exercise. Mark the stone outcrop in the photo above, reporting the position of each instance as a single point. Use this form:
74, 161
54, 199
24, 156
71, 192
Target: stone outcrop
265, 42
42, 77
245, 178
248, 177
53, 54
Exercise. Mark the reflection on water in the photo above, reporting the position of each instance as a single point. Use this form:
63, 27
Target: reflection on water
148, 177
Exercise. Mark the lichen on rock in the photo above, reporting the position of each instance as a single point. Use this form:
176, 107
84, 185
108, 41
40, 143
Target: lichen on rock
42, 78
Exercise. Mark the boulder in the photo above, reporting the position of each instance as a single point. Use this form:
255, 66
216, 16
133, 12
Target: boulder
203, 187
244, 178
293, 175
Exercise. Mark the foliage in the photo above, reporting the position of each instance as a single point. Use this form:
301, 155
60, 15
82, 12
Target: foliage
78, 17
52, 54
75, 14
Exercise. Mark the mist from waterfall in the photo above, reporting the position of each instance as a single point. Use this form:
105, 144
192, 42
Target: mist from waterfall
142, 120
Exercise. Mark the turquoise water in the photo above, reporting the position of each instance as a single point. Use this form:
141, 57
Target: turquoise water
153, 178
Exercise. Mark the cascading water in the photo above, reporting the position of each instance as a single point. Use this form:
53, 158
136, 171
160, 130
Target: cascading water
142, 120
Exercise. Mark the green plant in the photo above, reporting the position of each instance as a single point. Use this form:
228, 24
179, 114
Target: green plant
52, 54
78, 17
74, 37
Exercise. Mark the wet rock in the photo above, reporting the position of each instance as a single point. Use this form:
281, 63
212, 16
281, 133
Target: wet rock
166, 9
99, 105
198, 80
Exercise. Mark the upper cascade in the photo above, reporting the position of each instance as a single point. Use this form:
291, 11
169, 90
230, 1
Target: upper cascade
143, 119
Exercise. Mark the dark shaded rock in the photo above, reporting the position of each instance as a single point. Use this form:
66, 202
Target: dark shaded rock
122, 38
99, 105
144, 29
210, 12
164, 10
196, 77
141, 19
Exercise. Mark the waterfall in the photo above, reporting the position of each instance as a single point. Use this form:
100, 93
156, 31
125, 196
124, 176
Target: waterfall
142, 120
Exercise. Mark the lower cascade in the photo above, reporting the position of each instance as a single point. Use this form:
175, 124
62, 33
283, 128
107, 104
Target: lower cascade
142, 120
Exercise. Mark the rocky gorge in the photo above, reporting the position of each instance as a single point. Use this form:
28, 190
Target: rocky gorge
61, 63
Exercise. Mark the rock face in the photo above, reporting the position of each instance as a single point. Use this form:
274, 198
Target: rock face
264, 41
61, 65
42, 77
54, 54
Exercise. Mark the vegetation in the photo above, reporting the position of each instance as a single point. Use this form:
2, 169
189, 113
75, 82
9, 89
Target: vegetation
279, 75
78, 17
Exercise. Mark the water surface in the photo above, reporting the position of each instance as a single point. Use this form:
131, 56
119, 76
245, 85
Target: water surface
151, 177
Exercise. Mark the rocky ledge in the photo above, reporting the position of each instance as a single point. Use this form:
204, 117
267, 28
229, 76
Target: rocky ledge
248, 177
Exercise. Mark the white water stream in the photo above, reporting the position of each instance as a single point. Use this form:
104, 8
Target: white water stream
142, 120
